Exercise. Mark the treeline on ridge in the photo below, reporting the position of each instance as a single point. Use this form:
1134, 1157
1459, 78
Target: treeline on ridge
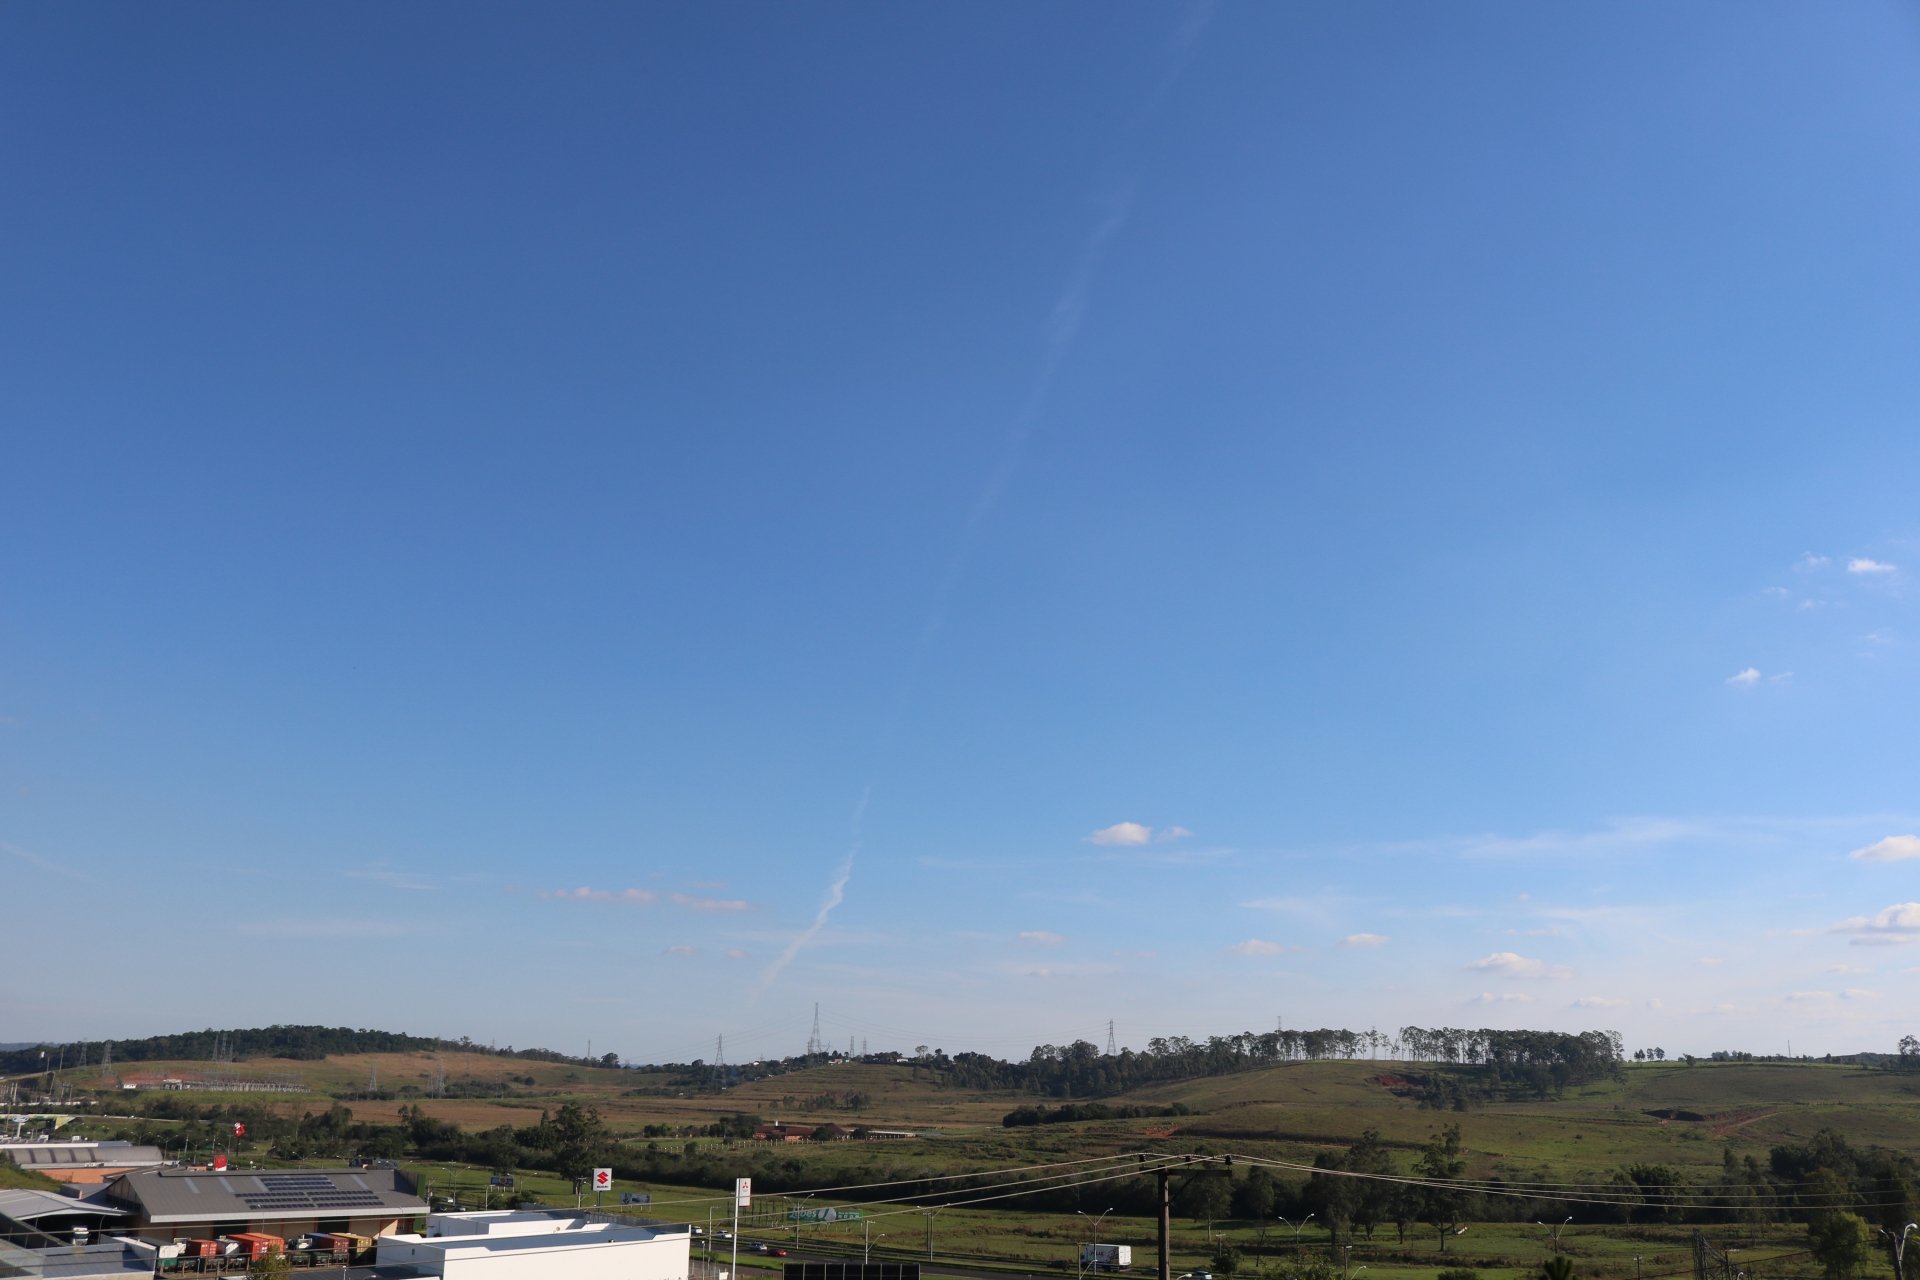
302, 1043
1482, 1063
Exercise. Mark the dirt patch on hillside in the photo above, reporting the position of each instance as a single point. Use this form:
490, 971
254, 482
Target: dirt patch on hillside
1729, 1122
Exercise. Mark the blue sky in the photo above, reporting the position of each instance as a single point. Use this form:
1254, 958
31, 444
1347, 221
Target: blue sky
623, 522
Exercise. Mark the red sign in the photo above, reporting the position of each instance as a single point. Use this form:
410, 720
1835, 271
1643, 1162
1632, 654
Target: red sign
219, 1162
239, 1130
602, 1179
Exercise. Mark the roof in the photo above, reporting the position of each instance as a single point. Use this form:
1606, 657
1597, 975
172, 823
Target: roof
179, 1196
82, 1155
114, 1259
25, 1204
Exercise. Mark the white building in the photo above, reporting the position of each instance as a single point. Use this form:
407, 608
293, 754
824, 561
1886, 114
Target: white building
538, 1246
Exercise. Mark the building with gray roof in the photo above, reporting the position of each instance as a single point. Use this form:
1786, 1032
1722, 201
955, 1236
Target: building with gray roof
81, 1161
170, 1204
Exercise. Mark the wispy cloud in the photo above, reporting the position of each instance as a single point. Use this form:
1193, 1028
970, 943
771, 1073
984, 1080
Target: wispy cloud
1134, 833
735, 953
1813, 560
1260, 947
1895, 925
1745, 678
1863, 565
33, 859
1600, 1002
1501, 997
1042, 937
1365, 940
1513, 965
626, 897
710, 904
1617, 834
682, 950
1891, 849
300, 927
393, 878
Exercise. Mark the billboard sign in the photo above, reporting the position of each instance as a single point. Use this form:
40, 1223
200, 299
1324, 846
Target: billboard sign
603, 1179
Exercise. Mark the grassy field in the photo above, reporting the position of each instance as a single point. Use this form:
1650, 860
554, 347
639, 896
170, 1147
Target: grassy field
1668, 1114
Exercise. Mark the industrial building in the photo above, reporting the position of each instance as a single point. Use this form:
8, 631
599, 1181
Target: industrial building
81, 1161
538, 1246
178, 1204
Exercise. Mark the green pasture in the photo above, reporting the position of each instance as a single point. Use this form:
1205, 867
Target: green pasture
985, 1235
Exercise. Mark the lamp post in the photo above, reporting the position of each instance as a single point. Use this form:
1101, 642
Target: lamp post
1897, 1245
1554, 1229
1095, 1251
1296, 1230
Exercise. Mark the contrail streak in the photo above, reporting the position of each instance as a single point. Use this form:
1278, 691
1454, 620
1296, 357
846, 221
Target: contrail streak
1062, 332
836, 894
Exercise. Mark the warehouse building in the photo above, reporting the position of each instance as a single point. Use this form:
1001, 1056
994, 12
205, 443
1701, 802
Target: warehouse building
538, 1246
179, 1204
81, 1161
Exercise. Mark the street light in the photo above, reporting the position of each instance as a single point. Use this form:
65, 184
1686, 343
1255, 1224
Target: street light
1897, 1245
1554, 1229
1095, 1251
1296, 1230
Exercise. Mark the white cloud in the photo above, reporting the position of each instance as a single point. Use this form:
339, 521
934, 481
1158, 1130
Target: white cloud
1780, 677
1259, 947
1899, 923
680, 951
1891, 849
1513, 965
1600, 1002
1745, 678
710, 904
1042, 937
1135, 833
1847, 968
1775, 593
1814, 560
1879, 635
735, 953
1365, 940
1502, 997
1860, 564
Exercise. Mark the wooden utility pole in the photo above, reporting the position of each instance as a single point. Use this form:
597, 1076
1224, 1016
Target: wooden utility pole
1166, 1222
1164, 1175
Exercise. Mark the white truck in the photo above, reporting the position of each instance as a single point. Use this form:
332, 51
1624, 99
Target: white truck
1106, 1257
